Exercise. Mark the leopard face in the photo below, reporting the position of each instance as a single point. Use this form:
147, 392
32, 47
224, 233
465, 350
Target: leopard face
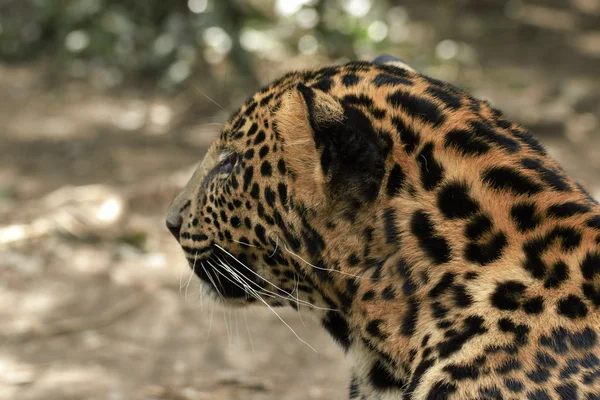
435, 240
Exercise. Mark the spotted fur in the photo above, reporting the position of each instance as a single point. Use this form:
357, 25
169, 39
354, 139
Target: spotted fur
436, 241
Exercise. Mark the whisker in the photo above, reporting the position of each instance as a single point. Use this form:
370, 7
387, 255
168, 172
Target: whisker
286, 324
259, 298
276, 247
237, 277
220, 283
205, 95
226, 328
249, 335
212, 281
185, 296
297, 283
212, 310
271, 283
200, 296
237, 327
324, 269
244, 243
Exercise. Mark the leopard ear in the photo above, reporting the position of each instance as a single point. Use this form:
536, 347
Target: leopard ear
386, 59
333, 149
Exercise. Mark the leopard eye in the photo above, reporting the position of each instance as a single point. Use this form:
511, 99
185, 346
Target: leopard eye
226, 165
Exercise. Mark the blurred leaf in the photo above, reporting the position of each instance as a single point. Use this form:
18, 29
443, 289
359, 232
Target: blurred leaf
86, 38
135, 239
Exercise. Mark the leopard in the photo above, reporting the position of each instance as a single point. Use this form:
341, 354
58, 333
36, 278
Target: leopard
437, 241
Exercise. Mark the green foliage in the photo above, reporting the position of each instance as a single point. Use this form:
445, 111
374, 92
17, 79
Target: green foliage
114, 40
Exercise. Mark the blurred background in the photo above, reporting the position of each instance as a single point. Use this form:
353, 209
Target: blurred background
107, 105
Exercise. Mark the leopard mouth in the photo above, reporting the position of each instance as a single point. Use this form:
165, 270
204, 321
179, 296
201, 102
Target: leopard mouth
222, 281
220, 271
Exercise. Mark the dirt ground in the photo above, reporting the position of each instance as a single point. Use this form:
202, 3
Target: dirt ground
95, 299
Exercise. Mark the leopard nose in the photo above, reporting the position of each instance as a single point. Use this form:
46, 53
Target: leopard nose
174, 222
